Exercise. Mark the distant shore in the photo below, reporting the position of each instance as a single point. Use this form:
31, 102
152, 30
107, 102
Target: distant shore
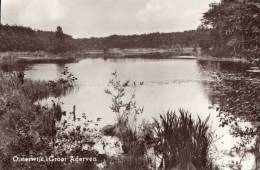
115, 53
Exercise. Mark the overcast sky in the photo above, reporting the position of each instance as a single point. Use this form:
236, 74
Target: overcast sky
88, 18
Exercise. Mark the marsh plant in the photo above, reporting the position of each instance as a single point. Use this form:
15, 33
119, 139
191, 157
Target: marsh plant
182, 141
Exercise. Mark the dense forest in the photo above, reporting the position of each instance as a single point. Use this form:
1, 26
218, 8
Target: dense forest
18, 38
235, 28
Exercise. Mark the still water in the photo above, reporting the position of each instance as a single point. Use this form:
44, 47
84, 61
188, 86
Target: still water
169, 84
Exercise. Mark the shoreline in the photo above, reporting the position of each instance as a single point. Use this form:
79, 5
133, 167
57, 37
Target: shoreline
70, 57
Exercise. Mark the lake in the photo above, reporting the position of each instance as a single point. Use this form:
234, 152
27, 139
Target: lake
169, 84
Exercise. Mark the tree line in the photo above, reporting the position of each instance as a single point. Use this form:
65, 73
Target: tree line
18, 38
189, 38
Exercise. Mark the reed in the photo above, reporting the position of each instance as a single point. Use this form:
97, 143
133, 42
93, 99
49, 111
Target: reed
182, 141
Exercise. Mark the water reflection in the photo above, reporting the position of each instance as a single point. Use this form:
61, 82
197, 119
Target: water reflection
223, 66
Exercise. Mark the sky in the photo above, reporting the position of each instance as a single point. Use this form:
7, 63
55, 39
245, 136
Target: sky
97, 18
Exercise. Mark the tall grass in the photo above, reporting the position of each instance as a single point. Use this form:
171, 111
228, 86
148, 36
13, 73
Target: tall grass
182, 141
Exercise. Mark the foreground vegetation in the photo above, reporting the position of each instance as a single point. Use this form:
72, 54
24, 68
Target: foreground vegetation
29, 129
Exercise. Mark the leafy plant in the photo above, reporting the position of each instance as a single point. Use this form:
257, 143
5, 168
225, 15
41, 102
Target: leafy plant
123, 103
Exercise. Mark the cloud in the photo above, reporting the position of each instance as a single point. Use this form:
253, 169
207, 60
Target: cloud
82, 18
174, 15
38, 12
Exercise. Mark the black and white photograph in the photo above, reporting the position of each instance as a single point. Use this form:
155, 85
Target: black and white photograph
129, 84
